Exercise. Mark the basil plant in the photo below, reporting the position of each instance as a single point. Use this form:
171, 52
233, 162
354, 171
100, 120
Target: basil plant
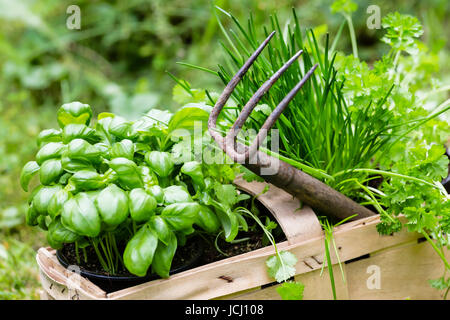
131, 190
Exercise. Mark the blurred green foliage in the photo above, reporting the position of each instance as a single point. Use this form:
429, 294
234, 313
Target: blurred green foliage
118, 61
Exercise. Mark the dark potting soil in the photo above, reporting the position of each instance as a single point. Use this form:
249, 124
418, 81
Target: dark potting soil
254, 242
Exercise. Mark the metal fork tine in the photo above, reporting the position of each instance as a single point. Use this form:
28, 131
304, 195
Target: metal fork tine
251, 104
229, 90
276, 113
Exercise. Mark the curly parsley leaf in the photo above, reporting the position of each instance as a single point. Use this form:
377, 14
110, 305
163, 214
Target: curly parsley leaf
402, 31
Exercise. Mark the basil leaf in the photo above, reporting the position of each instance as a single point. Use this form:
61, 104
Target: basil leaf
102, 128
184, 121
127, 173
161, 228
56, 203
174, 194
33, 193
60, 234
154, 119
80, 216
207, 220
92, 195
112, 204
42, 198
74, 165
160, 162
50, 171
82, 150
53, 243
194, 170
48, 135
31, 216
64, 178
163, 257
181, 215
104, 149
42, 222
122, 149
122, 128
230, 224
85, 180
157, 193
138, 254
74, 131
74, 112
28, 171
149, 178
142, 205
50, 150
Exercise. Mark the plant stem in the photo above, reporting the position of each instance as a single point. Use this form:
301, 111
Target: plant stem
85, 255
387, 173
330, 266
108, 258
351, 30
99, 255
430, 241
76, 253
336, 39
114, 243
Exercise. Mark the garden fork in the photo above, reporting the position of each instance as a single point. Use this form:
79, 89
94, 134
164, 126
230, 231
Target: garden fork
301, 185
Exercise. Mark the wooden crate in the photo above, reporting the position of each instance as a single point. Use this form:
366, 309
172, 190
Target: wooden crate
375, 266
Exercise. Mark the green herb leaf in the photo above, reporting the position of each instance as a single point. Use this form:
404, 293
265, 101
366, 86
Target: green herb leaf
80, 149
57, 202
139, 252
42, 198
51, 150
142, 205
123, 149
174, 194
74, 112
157, 224
282, 266
60, 234
112, 205
80, 216
157, 192
180, 215
50, 171
291, 290
194, 170
207, 219
230, 223
184, 121
160, 162
27, 173
164, 255
31, 216
127, 173
85, 180
80, 131
48, 135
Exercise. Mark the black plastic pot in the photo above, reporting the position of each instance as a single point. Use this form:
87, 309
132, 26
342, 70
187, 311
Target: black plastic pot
114, 283
446, 181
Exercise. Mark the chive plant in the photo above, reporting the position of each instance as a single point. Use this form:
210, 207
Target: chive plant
319, 129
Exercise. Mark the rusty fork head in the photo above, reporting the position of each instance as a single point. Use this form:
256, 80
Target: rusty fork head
229, 142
